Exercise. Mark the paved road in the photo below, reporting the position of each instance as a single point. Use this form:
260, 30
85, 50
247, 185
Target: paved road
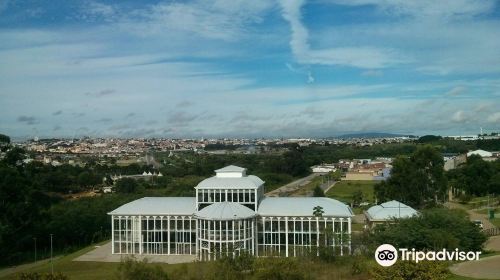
289, 188
485, 268
472, 214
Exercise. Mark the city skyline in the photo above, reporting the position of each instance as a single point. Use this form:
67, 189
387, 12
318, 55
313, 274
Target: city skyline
248, 68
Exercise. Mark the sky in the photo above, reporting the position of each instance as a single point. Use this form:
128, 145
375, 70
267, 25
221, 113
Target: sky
260, 68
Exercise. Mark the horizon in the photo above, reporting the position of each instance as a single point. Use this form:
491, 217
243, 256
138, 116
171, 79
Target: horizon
240, 69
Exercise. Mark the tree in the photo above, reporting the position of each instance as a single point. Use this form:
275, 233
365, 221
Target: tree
14, 155
318, 192
429, 139
357, 197
4, 139
416, 180
318, 211
433, 229
126, 185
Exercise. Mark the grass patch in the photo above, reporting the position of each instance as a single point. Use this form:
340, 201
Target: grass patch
344, 190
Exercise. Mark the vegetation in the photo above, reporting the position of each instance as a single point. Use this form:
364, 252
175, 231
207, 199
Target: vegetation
131, 269
241, 268
476, 177
42, 276
425, 270
417, 180
346, 191
4, 138
433, 229
318, 192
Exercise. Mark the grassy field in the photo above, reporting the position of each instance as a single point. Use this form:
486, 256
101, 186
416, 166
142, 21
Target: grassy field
344, 190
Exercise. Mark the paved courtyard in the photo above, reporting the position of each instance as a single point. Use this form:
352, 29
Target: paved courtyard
103, 254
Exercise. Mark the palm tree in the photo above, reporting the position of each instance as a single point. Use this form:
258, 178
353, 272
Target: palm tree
318, 211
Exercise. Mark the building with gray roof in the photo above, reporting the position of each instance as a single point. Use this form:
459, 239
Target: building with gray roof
387, 212
230, 214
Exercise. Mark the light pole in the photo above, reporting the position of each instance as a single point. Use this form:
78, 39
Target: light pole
34, 238
51, 260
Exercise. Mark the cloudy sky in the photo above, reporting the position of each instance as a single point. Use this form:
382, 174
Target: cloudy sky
248, 68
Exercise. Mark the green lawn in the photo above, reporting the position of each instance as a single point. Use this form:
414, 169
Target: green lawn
344, 190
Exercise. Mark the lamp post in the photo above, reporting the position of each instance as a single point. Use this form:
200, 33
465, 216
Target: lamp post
51, 260
34, 238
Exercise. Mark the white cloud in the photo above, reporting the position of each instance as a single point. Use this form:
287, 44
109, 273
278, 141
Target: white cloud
362, 57
442, 10
456, 91
494, 118
459, 117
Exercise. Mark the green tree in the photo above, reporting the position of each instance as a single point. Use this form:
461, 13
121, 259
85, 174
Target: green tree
318, 192
416, 180
357, 197
318, 211
433, 229
126, 185
4, 139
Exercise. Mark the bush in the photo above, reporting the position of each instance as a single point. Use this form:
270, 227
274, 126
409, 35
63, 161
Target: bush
402, 270
131, 269
39, 276
278, 269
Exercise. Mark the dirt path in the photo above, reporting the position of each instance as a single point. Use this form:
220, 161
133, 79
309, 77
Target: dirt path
289, 188
486, 268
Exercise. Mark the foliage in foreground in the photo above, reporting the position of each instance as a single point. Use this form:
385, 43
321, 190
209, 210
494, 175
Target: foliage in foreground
40, 276
402, 270
433, 229
131, 269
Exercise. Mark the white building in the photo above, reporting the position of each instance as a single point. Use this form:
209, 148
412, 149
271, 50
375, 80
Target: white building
230, 214
387, 212
481, 153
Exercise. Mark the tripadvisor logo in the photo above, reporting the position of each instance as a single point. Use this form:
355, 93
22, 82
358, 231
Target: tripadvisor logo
387, 255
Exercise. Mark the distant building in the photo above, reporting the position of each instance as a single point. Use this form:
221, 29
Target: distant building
481, 153
230, 215
324, 168
388, 211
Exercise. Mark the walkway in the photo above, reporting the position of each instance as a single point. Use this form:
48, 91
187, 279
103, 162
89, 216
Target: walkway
289, 188
485, 268
103, 254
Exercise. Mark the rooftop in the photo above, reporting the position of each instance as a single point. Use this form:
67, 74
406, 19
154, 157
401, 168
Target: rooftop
302, 206
225, 211
390, 210
158, 206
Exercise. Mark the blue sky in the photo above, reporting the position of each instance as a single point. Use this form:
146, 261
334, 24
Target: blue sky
248, 68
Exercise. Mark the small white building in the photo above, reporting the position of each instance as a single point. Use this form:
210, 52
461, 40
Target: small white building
481, 153
230, 214
387, 212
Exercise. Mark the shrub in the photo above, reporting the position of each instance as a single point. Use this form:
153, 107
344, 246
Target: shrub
131, 269
40, 276
402, 270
